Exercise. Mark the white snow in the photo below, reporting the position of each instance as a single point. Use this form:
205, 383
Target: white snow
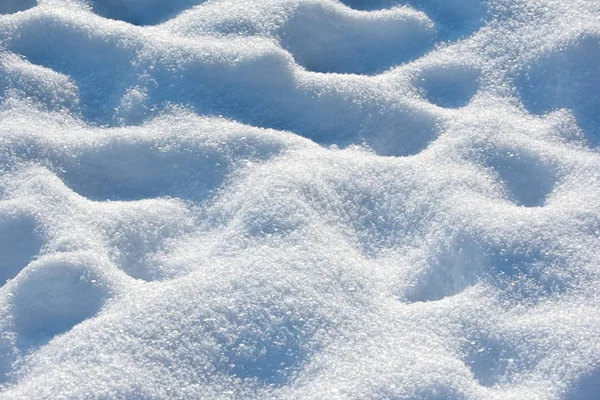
300, 199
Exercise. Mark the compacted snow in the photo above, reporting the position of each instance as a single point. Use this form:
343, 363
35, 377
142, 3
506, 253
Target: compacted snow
300, 199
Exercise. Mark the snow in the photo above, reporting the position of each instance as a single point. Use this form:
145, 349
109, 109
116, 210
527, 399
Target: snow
300, 199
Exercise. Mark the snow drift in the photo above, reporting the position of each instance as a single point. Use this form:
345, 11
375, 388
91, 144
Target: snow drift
300, 199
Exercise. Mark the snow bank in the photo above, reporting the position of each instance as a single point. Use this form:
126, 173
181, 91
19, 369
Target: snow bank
299, 199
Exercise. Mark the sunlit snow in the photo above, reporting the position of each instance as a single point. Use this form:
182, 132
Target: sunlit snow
300, 199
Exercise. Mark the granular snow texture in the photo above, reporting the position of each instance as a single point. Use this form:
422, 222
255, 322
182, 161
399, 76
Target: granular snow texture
300, 199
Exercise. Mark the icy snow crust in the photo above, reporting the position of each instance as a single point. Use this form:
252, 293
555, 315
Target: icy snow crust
285, 199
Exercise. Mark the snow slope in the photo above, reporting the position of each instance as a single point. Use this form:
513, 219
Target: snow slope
300, 199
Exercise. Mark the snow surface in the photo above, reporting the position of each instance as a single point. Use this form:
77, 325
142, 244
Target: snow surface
300, 199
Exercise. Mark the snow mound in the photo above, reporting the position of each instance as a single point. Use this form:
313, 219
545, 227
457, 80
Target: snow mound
299, 199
